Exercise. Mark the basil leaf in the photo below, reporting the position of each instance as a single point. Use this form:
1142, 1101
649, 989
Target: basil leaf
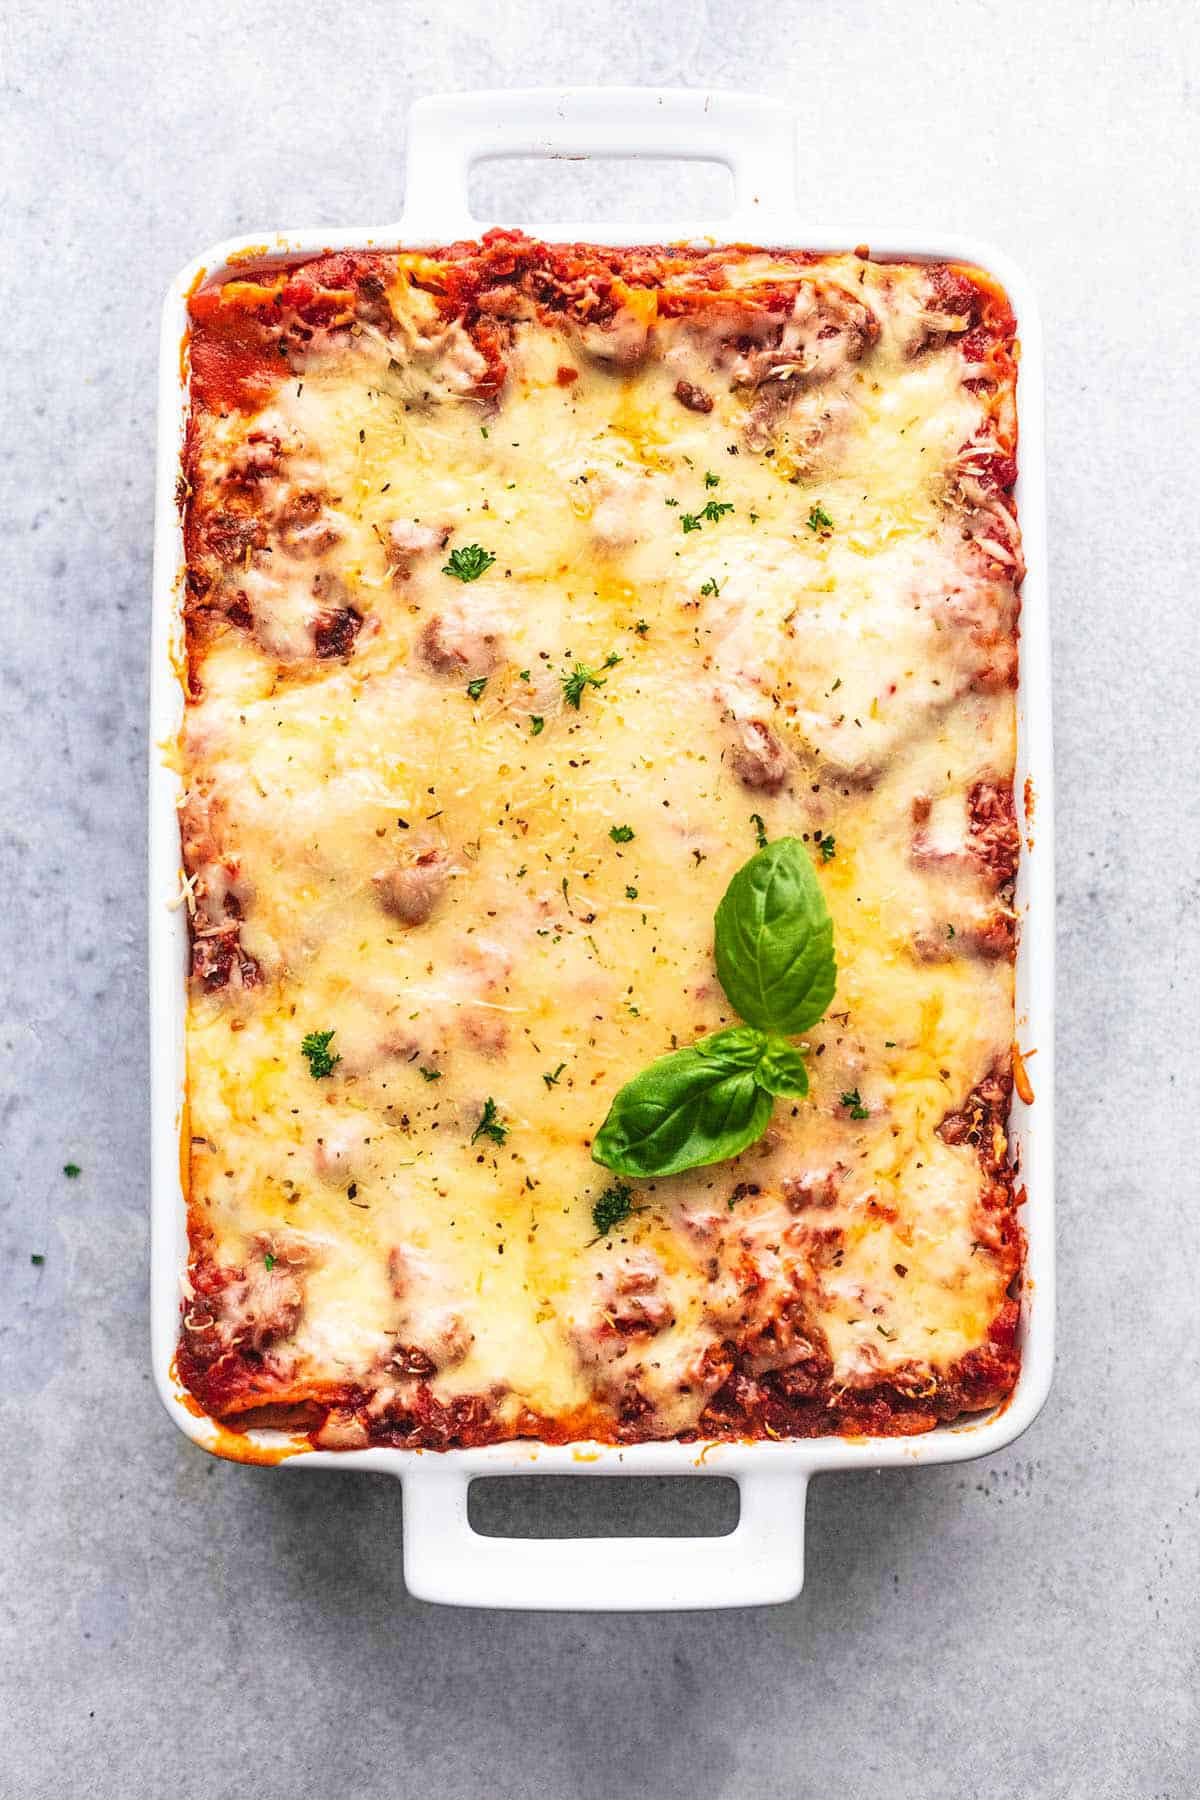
774, 941
698, 1106
737, 1047
781, 1070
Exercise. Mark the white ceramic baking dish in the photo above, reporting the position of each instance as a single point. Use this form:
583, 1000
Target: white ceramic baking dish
762, 1560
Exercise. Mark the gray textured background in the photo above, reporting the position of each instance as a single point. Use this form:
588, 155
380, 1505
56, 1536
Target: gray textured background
175, 1626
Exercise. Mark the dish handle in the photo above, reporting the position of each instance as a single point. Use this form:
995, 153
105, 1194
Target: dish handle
753, 137
759, 1563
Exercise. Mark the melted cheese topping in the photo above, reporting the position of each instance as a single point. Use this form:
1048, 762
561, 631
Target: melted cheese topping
555, 961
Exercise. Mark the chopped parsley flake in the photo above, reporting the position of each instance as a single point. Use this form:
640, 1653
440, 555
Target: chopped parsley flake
712, 510
536, 724
621, 834
613, 1207
552, 1080
430, 1074
36, 1258
631, 893
710, 588
853, 1101
711, 480
315, 1048
475, 688
72, 1171
819, 519
826, 845
269, 1261
468, 563
641, 628
490, 1124
760, 830
579, 678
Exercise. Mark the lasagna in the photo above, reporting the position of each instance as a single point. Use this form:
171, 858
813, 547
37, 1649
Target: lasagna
529, 589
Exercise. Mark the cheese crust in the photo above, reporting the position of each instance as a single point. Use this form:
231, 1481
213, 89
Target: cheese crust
528, 588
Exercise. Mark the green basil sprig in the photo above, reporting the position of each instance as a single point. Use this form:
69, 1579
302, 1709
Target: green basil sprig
712, 1100
774, 941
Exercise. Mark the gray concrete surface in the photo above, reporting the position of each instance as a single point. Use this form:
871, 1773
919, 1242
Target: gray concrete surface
173, 1626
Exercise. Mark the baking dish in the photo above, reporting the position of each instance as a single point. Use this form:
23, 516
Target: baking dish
762, 1560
